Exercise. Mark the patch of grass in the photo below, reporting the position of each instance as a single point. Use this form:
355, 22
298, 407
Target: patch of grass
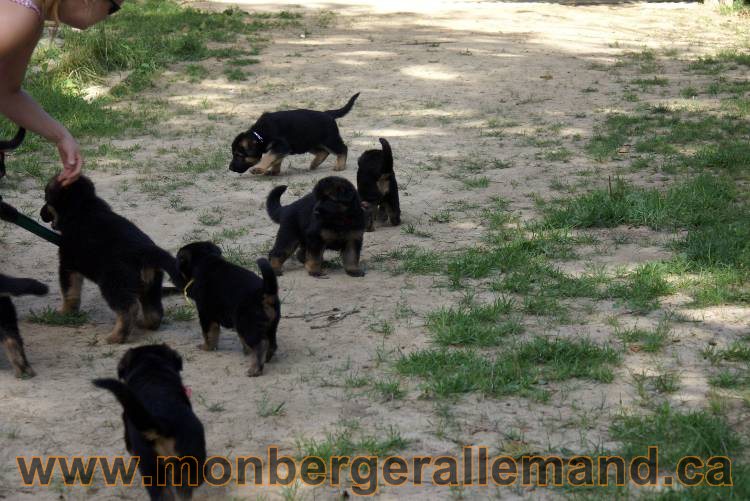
414, 260
650, 82
522, 369
473, 324
558, 155
728, 379
266, 408
196, 72
641, 289
648, 340
50, 316
348, 439
389, 389
235, 75
180, 313
694, 202
676, 434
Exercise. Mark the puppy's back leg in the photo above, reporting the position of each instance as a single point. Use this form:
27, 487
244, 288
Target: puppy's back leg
150, 298
285, 245
338, 148
120, 291
257, 350
71, 283
11, 339
210, 331
320, 156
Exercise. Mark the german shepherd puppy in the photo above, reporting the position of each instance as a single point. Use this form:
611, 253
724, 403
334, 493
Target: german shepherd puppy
6, 146
377, 186
230, 296
331, 217
281, 133
110, 251
158, 418
9, 334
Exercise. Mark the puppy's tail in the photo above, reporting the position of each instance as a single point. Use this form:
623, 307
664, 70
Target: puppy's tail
14, 143
273, 203
164, 260
21, 286
346, 109
270, 284
142, 420
387, 156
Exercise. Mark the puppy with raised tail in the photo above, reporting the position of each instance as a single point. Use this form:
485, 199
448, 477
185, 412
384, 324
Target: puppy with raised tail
278, 134
159, 420
227, 295
331, 217
377, 186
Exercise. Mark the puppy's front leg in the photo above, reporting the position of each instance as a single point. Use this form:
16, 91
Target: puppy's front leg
314, 260
257, 355
350, 256
266, 162
71, 283
210, 331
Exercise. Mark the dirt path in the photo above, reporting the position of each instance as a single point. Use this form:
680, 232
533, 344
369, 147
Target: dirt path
431, 79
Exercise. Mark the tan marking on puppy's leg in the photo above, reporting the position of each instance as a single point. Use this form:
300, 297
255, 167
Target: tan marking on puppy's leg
256, 357
17, 358
275, 168
211, 338
277, 263
319, 158
123, 325
340, 162
72, 296
350, 258
266, 161
314, 263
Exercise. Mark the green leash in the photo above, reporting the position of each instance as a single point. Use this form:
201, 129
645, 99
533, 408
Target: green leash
10, 214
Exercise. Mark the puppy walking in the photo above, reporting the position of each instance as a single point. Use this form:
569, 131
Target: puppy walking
110, 251
227, 295
278, 134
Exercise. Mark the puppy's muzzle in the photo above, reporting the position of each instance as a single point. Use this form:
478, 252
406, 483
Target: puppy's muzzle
49, 215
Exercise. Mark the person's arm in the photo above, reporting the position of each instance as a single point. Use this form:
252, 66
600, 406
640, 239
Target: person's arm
19, 33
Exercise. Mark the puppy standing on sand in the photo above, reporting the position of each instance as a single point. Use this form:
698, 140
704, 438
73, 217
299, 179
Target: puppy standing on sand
331, 217
281, 133
110, 251
377, 186
227, 295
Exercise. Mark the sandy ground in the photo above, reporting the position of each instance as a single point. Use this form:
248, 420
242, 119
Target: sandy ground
431, 74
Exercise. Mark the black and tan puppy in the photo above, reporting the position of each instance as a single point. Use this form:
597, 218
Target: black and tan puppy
230, 296
6, 146
9, 334
331, 217
377, 186
110, 251
158, 419
293, 132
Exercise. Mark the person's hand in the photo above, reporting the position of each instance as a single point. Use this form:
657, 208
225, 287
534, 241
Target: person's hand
70, 154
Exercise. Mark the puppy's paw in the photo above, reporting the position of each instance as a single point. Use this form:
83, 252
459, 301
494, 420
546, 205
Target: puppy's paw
258, 170
395, 221
254, 371
115, 338
24, 372
317, 274
355, 273
206, 347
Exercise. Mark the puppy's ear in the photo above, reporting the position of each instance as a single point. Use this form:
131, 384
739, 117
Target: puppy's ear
124, 366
